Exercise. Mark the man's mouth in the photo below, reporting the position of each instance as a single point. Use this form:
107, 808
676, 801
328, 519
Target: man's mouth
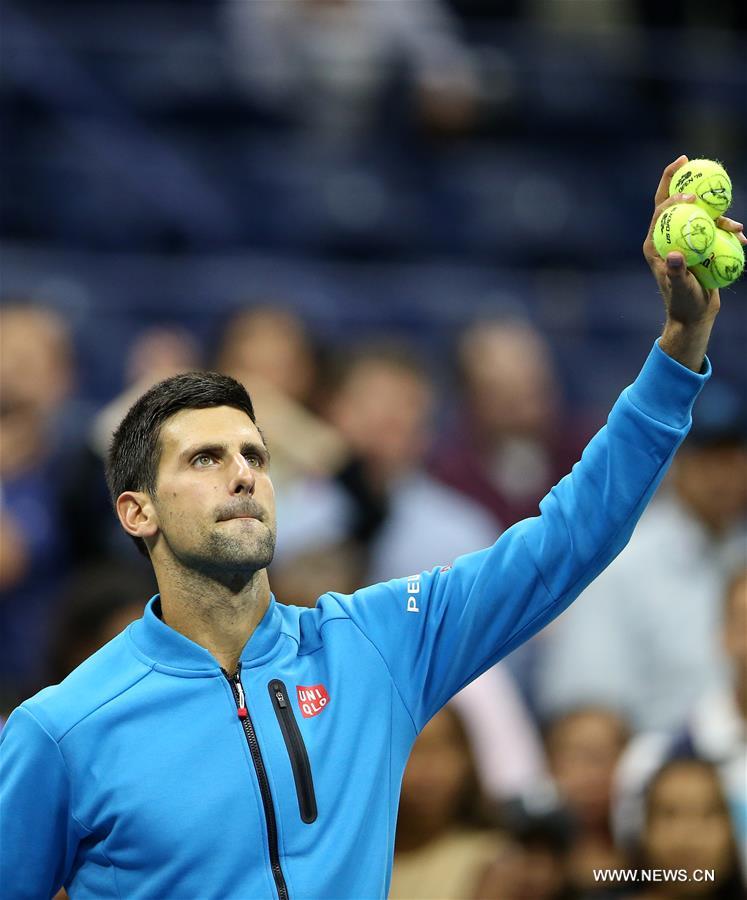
242, 513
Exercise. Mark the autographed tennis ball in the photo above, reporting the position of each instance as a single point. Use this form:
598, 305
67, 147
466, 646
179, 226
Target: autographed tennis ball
725, 263
684, 227
707, 179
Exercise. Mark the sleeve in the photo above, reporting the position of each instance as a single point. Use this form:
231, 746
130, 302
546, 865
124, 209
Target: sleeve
38, 834
439, 630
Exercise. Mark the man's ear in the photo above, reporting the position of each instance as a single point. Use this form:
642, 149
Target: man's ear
137, 515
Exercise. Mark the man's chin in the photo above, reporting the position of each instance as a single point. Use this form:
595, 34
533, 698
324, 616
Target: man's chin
241, 553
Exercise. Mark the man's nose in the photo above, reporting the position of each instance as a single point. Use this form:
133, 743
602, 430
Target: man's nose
242, 476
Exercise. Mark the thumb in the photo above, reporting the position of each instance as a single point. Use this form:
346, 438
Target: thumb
677, 273
683, 303
676, 268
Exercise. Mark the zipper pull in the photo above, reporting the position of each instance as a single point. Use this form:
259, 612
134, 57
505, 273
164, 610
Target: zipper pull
242, 710
280, 697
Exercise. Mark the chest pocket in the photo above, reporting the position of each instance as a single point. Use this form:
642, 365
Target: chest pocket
299, 758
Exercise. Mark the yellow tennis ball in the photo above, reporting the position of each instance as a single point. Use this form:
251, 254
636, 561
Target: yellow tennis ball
707, 179
684, 227
725, 263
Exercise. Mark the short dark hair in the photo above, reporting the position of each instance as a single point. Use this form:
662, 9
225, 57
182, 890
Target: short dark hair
135, 450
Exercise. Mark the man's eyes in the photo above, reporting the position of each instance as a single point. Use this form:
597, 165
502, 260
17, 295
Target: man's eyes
204, 460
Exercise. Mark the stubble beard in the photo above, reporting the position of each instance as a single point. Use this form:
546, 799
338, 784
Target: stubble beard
225, 557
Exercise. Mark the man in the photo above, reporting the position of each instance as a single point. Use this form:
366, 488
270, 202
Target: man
227, 746
506, 448
37, 373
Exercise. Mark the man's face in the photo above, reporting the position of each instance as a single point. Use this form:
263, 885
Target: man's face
214, 500
384, 412
713, 482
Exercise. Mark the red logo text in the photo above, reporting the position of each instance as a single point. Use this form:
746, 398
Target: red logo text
312, 699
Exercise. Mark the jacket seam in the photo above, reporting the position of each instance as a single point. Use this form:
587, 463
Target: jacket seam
113, 868
105, 702
64, 765
381, 656
631, 399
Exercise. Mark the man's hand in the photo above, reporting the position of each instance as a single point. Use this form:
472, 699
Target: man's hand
691, 309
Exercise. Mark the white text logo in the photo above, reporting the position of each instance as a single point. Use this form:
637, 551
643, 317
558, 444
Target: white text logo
413, 589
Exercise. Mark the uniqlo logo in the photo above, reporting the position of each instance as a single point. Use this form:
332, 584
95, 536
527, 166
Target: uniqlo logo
312, 699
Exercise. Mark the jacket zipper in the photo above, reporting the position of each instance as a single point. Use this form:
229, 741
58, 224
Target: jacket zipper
299, 758
264, 785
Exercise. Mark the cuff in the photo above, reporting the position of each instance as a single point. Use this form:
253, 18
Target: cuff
665, 390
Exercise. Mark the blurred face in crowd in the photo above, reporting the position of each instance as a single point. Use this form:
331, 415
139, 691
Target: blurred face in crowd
384, 411
36, 375
272, 345
735, 633
688, 825
509, 382
35, 359
713, 483
437, 775
214, 508
159, 353
583, 750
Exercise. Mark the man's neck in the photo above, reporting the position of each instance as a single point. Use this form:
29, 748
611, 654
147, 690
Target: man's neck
219, 617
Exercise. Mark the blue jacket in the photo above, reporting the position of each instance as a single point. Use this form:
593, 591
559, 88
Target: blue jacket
147, 773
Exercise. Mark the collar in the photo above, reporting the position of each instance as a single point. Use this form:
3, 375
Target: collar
167, 650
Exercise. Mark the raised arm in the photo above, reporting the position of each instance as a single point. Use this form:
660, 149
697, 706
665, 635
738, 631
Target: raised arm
441, 629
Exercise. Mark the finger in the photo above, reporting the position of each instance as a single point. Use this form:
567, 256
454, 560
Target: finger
729, 224
732, 225
662, 192
649, 251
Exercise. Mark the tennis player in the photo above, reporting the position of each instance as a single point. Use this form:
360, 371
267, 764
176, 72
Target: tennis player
227, 746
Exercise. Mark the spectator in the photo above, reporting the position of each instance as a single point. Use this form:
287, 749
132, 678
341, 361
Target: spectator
506, 451
157, 352
100, 601
36, 378
645, 637
303, 577
329, 65
583, 750
504, 738
270, 343
687, 827
532, 860
383, 406
715, 730
441, 844
270, 351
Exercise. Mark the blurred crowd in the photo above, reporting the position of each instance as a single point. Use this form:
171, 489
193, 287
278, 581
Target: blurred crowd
415, 406
615, 739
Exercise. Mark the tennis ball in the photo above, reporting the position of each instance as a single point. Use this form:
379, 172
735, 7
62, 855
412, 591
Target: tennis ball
724, 264
709, 182
684, 227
